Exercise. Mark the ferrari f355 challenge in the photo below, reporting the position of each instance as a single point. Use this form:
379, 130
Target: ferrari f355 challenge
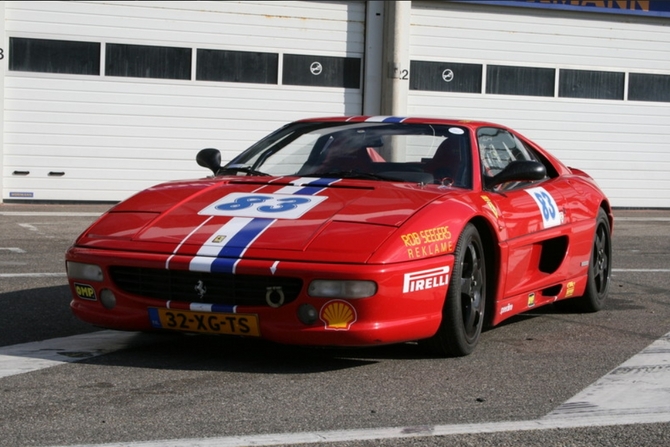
352, 231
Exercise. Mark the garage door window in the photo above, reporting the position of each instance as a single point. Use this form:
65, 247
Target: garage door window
144, 61
237, 66
649, 87
527, 81
591, 84
445, 77
54, 56
321, 71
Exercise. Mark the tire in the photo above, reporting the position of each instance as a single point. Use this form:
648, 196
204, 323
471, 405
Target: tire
600, 268
463, 310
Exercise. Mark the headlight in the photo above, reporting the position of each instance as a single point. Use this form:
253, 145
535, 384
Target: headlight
328, 288
77, 270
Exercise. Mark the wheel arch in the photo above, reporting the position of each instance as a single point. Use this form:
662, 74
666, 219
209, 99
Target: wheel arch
605, 205
492, 259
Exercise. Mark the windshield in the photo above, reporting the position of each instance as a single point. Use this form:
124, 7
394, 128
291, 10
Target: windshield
379, 151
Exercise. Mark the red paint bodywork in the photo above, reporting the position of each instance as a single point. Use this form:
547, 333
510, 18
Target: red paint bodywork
365, 230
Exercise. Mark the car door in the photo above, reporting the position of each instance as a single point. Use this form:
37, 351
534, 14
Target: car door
531, 218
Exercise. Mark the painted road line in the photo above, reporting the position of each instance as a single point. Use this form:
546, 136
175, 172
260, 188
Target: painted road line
32, 275
28, 357
641, 219
636, 392
378, 434
49, 213
639, 386
13, 249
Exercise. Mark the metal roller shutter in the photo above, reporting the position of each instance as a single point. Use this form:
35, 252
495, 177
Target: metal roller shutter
103, 99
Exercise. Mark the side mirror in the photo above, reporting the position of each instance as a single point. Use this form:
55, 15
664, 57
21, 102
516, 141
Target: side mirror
519, 171
209, 158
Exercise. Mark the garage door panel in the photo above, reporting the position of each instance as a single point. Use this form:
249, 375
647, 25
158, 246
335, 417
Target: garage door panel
281, 24
518, 35
99, 123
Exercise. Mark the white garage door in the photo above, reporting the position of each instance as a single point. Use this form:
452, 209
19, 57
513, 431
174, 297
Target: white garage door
103, 99
594, 89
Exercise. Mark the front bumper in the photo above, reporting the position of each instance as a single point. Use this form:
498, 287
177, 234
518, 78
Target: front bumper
407, 306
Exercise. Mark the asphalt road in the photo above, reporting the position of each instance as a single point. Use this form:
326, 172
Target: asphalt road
202, 387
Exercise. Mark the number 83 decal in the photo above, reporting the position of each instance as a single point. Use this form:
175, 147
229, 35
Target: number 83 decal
551, 216
283, 206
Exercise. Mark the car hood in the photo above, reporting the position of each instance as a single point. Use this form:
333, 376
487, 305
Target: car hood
312, 218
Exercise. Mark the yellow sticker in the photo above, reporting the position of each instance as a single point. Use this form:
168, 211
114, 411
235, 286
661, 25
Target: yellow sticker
338, 315
491, 206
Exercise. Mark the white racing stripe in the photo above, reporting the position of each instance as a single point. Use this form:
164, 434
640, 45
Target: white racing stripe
636, 392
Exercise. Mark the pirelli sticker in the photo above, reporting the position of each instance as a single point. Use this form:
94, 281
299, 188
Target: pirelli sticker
426, 279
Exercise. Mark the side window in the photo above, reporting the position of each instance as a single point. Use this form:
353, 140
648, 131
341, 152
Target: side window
498, 148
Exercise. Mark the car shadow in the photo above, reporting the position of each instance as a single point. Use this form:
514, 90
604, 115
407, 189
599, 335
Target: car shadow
38, 314
44, 313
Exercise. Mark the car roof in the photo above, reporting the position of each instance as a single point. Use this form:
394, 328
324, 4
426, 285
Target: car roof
403, 119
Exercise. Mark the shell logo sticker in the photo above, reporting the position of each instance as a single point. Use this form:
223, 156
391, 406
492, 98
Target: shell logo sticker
338, 315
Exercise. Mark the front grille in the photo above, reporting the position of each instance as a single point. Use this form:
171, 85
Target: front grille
222, 288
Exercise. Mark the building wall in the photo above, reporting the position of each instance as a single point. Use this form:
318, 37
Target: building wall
102, 99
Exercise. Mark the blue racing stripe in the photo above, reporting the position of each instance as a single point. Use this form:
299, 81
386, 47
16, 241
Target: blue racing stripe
223, 265
316, 186
238, 243
322, 182
225, 308
394, 119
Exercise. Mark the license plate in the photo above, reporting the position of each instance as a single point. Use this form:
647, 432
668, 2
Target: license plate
206, 322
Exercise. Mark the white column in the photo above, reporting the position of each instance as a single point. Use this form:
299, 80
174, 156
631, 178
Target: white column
395, 74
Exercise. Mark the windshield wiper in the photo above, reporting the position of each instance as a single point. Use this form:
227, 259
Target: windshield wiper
241, 168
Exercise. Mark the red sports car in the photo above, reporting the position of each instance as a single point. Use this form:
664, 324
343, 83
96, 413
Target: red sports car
352, 231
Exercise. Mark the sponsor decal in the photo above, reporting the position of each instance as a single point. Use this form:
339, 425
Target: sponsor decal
531, 300
219, 238
426, 279
570, 290
84, 291
507, 308
428, 242
338, 315
491, 206
551, 216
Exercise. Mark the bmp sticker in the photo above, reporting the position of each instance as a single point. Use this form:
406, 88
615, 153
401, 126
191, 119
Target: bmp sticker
272, 206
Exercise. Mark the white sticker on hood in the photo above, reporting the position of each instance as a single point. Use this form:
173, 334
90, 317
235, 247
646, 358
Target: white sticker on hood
272, 206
